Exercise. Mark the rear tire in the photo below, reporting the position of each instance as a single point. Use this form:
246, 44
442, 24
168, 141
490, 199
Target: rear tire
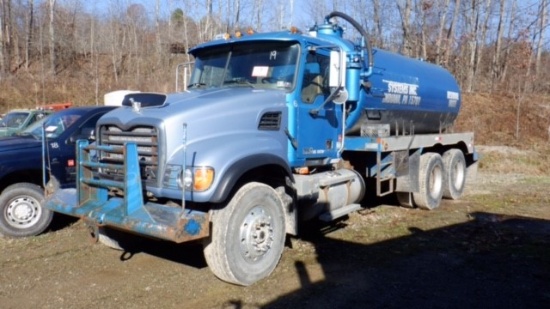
247, 237
430, 178
21, 211
455, 174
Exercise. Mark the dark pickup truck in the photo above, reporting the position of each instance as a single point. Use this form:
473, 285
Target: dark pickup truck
21, 167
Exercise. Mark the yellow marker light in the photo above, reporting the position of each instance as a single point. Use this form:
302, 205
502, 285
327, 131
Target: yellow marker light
238, 34
250, 31
204, 177
227, 36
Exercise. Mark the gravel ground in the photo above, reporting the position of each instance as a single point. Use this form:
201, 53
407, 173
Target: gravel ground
490, 249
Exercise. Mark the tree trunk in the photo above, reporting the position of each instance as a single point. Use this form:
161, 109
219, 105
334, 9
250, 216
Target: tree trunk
405, 13
451, 33
511, 29
158, 32
2, 42
51, 4
421, 8
495, 66
543, 23
379, 41
30, 25
439, 40
258, 8
480, 43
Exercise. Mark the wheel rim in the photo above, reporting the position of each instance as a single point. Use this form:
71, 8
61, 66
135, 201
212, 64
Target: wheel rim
23, 212
436, 182
458, 172
256, 234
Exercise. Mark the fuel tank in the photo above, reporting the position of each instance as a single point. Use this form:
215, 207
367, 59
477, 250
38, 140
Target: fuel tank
404, 96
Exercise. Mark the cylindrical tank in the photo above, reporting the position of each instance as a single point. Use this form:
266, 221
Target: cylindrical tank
404, 96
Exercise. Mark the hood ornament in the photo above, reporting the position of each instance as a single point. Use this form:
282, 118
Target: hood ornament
136, 106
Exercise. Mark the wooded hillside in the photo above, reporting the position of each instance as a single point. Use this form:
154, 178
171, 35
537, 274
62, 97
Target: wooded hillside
77, 50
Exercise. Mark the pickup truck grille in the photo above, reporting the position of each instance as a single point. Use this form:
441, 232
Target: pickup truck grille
146, 139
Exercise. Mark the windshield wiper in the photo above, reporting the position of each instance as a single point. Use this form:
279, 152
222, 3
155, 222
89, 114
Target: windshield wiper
24, 134
196, 85
238, 81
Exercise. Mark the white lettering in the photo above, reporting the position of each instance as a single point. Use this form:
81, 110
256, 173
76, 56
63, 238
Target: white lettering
451, 95
391, 98
452, 103
401, 93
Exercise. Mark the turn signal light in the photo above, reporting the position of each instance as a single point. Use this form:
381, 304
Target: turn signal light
203, 179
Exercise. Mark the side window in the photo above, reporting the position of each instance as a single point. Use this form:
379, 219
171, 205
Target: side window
86, 130
315, 79
33, 119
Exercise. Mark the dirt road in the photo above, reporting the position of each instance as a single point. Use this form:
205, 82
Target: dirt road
489, 250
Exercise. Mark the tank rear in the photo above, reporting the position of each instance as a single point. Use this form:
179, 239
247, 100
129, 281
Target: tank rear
406, 96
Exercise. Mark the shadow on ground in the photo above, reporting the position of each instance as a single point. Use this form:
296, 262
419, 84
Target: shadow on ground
492, 261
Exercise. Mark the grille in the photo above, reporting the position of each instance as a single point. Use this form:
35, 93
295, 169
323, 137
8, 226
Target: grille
146, 139
270, 121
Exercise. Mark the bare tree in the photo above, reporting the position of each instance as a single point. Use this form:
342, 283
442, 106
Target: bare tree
495, 65
476, 31
30, 26
422, 7
442, 20
542, 24
511, 29
379, 39
257, 12
480, 43
2, 40
51, 5
451, 32
405, 13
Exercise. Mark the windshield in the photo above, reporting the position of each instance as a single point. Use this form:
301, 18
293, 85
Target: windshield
54, 125
266, 65
14, 119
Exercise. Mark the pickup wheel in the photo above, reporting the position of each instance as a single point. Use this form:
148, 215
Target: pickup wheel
430, 178
248, 235
455, 174
21, 211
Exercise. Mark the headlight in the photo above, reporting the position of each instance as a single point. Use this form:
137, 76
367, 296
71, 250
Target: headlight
193, 178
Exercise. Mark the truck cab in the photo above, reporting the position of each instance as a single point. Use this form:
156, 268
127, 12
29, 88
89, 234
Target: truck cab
19, 119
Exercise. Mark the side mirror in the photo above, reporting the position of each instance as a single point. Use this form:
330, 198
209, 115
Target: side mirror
337, 69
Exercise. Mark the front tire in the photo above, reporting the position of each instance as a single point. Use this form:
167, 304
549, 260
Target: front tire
430, 178
21, 211
248, 235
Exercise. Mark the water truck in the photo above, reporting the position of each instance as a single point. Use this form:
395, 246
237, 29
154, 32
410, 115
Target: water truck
270, 130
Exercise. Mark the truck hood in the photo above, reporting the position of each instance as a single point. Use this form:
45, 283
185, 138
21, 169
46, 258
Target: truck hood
17, 143
187, 107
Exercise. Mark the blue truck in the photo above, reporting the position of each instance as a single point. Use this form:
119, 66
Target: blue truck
271, 129
21, 167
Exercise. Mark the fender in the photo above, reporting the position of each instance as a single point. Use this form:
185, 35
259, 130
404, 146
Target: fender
239, 168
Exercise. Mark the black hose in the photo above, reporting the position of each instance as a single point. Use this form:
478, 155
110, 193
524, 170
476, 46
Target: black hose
359, 28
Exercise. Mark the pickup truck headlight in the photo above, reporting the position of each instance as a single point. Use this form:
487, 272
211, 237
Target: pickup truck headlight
193, 178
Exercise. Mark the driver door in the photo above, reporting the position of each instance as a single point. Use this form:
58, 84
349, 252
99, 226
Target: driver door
319, 124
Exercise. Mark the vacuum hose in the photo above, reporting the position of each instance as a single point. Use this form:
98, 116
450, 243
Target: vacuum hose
361, 30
